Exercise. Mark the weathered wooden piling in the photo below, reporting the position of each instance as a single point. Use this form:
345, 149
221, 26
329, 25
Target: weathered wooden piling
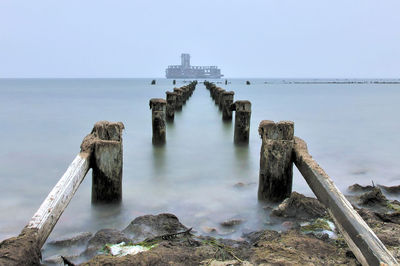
227, 100
171, 102
158, 120
217, 91
179, 98
185, 94
174, 82
242, 121
276, 162
106, 162
362, 241
220, 97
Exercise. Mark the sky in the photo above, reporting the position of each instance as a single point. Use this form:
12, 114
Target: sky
253, 38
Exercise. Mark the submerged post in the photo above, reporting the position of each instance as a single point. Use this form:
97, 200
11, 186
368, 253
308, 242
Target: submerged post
242, 121
158, 120
171, 102
276, 163
227, 100
106, 162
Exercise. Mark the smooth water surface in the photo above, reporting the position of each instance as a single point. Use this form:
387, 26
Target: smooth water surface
351, 130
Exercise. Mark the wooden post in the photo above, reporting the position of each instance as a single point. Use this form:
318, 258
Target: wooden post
220, 97
179, 98
227, 100
276, 163
213, 89
365, 245
185, 94
171, 102
106, 162
158, 120
242, 121
217, 91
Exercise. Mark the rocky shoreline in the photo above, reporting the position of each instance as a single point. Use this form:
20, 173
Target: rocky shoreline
311, 237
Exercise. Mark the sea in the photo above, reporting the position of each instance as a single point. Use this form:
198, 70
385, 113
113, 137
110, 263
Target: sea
351, 128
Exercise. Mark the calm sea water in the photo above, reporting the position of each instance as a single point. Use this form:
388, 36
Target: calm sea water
352, 131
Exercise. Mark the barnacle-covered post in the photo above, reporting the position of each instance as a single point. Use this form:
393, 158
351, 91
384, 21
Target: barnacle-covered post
158, 120
242, 121
276, 160
227, 100
171, 102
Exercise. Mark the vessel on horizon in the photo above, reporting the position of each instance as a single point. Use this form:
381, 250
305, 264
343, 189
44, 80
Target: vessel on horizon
186, 71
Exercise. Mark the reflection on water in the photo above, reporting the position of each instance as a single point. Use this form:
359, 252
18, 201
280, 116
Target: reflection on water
159, 160
101, 211
199, 175
227, 128
242, 157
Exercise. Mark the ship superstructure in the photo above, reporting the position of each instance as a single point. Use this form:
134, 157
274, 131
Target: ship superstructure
186, 71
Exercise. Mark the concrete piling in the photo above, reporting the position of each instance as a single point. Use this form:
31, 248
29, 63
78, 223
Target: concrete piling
276, 162
106, 162
242, 121
171, 102
158, 120
227, 100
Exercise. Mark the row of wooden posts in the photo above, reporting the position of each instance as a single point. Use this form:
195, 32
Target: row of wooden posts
102, 151
225, 100
164, 110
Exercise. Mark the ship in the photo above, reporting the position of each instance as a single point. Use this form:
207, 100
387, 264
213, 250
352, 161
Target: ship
186, 71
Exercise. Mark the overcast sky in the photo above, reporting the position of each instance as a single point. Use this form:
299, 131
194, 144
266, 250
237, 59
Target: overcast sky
263, 38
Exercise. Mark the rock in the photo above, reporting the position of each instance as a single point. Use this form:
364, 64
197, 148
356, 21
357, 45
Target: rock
372, 198
389, 217
387, 232
264, 247
102, 237
21, 250
232, 222
75, 240
300, 207
209, 230
287, 225
153, 225
239, 185
359, 188
243, 185
225, 263
54, 260
391, 190
265, 235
